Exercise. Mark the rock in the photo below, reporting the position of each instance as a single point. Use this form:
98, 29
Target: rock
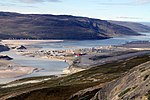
3, 48
5, 58
21, 47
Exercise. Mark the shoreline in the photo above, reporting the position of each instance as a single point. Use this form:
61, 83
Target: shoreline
11, 70
68, 70
31, 52
21, 71
27, 42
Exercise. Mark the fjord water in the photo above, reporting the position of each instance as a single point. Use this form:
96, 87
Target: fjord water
45, 66
92, 43
52, 67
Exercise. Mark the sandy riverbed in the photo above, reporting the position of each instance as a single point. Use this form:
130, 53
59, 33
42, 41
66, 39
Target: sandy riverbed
15, 72
10, 70
27, 42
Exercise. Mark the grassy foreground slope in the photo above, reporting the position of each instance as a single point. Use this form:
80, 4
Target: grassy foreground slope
63, 88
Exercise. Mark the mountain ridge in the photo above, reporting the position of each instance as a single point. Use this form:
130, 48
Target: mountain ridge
138, 27
47, 26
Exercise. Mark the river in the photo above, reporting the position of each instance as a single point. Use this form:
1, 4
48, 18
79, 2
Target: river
92, 43
52, 67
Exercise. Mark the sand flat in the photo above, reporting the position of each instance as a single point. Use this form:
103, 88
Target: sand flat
10, 70
18, 71
27, 42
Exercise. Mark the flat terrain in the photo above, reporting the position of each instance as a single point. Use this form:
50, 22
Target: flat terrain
8, 69
26, 42
86, 62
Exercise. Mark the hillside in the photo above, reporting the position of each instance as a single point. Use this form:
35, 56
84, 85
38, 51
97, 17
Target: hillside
113, 78
133, 86
43, 26
138, 27
146, 23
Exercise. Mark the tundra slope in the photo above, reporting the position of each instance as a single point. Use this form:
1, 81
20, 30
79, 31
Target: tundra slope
134, 85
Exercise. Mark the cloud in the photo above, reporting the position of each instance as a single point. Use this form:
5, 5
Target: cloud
14, 5
128, 3
142, 1
123, 17
38, 1
116, 4
8, 4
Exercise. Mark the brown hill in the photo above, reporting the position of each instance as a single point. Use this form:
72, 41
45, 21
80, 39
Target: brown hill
42, 26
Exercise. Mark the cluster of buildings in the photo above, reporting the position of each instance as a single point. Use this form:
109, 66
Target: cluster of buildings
75, 52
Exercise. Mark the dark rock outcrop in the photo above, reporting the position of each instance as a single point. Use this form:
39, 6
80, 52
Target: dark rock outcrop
3, 48
5, 57
21, 47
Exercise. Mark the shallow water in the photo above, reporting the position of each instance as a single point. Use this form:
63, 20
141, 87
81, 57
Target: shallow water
51, 67
92, 43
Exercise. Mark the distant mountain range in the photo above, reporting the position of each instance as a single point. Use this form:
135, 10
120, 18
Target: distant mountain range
45, 26
146, 23
138, 27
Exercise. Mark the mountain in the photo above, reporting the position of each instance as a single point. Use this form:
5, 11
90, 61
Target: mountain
45, 26
146, 23
138, 27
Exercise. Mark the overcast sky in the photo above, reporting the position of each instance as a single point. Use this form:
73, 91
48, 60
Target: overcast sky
124, 10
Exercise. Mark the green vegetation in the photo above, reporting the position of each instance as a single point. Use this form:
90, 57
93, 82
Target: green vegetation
99, 57
124, 92
63, 87
145, 77
134, 87
33, 78
127, 90
148, 95
142, 69
87, 96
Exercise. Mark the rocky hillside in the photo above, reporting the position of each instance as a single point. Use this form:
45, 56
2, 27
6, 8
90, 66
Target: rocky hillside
138, 27
135, 85
42, 26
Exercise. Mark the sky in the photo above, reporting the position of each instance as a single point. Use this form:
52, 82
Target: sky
122, 10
